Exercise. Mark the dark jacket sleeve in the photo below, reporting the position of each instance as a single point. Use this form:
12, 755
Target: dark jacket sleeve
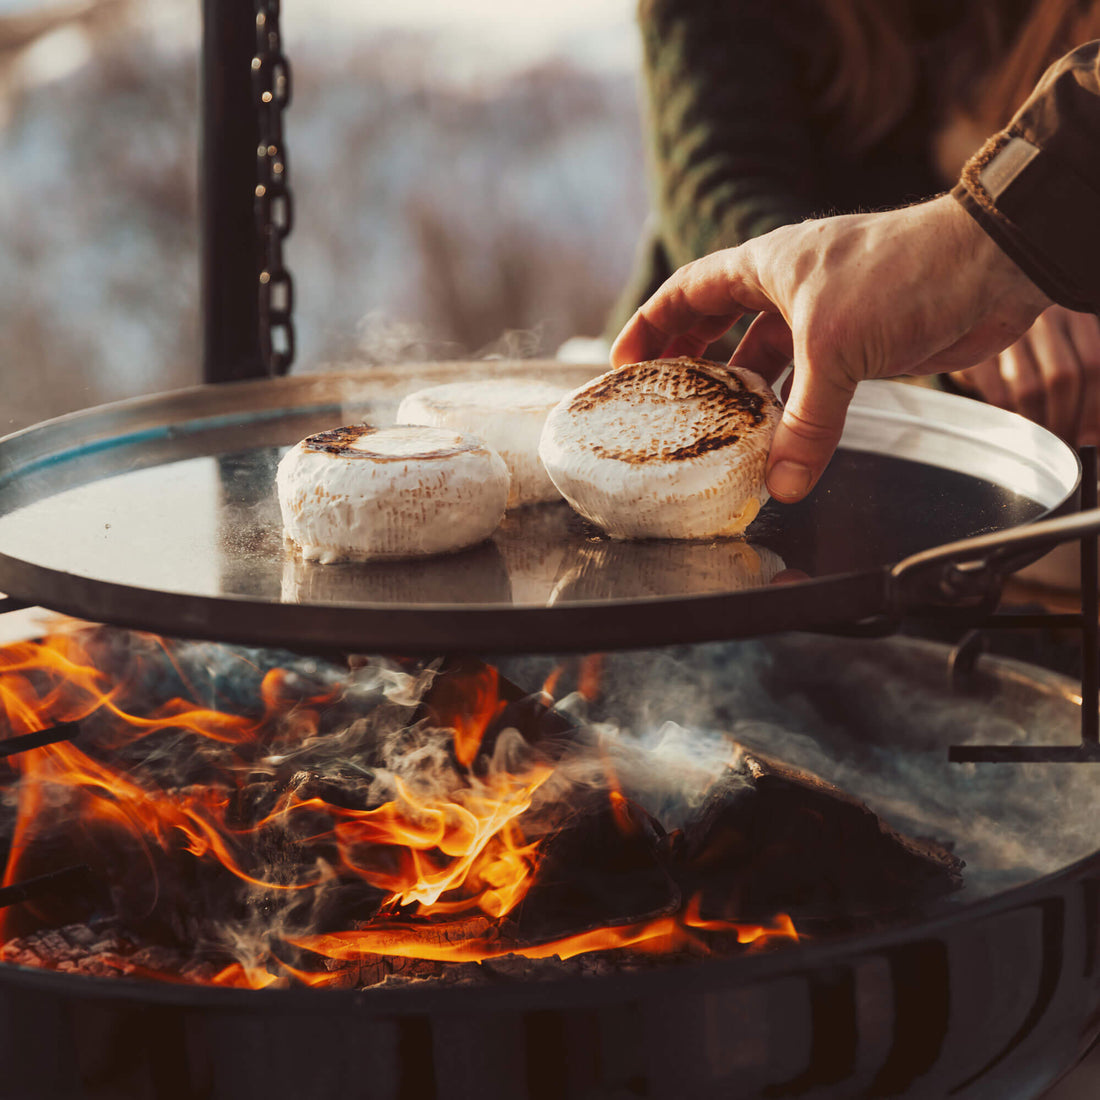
1035, 187
731, 146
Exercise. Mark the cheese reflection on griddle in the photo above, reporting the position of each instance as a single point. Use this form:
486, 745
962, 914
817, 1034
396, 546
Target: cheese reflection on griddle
474, 576
614, 570
535, 543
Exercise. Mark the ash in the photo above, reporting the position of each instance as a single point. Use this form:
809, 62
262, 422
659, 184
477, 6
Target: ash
102, 949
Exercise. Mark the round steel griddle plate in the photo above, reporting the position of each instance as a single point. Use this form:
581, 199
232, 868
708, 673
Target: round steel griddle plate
161, 513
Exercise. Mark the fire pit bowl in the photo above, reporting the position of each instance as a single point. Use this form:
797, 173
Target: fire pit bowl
991, 993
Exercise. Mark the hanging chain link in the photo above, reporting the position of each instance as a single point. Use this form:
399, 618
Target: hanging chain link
274, 209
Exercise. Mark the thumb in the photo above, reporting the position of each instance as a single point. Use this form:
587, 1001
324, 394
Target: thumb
807, 436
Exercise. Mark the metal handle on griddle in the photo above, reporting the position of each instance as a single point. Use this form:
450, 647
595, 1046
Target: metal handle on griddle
972, 569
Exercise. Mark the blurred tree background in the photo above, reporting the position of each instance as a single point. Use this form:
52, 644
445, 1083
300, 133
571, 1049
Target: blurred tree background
461, 187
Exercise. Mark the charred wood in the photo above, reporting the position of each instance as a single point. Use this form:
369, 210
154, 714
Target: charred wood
770, 838
603, 866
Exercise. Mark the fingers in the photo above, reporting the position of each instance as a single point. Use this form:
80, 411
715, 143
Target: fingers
985, 381
1051, 375
1021, 375
692, 309
1083, 330
1059, 372
807, 436
789, 576
690, 344
813, 418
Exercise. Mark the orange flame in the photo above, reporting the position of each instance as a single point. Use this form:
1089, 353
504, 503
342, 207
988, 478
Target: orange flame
429, 942
590, 676
467, 702
443, 863
550, 685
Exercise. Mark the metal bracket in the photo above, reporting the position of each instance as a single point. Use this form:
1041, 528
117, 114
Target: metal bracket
1087, 621
969, 572
964, 656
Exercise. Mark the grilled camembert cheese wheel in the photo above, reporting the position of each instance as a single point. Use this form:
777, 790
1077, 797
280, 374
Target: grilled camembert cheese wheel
361, 493
672, 448
508, 413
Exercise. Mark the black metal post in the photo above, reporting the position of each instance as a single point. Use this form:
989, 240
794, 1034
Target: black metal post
230, 247
1090, 639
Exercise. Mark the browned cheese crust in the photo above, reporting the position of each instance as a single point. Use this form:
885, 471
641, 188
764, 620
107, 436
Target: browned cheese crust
727, 407
345, 442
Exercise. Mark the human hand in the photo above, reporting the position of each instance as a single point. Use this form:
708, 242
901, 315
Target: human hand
1050, 375
913, 291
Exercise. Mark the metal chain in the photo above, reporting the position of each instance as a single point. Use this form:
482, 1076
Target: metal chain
274, 209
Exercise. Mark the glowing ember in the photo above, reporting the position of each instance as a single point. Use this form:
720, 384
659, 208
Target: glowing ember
283, 797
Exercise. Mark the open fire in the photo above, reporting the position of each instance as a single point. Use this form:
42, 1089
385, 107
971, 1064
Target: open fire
252, 823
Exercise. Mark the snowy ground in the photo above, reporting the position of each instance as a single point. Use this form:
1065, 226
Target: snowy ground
458, 173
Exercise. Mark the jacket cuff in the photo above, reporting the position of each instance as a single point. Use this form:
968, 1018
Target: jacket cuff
1040, 212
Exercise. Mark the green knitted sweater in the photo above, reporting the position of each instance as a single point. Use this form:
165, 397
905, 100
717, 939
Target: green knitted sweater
734, 147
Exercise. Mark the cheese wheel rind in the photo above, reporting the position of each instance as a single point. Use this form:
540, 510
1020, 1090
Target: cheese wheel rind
508, 413
671, 448
360, 493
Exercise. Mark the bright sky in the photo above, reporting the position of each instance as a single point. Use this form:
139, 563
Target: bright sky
538, 17
436, 12
419, 10
596, 32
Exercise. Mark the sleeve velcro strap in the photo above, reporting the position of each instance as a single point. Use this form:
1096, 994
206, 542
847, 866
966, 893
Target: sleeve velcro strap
1041, 212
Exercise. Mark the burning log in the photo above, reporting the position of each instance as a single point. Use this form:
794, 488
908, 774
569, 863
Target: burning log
770, 838
603, 867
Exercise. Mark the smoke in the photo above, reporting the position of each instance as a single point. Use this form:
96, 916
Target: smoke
384, 340
876, 720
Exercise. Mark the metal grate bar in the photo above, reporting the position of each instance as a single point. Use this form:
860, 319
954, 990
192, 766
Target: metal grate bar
10, 603
65, 731
1088, 622
1037, 621
1086, 753
1090, 610
68, 878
